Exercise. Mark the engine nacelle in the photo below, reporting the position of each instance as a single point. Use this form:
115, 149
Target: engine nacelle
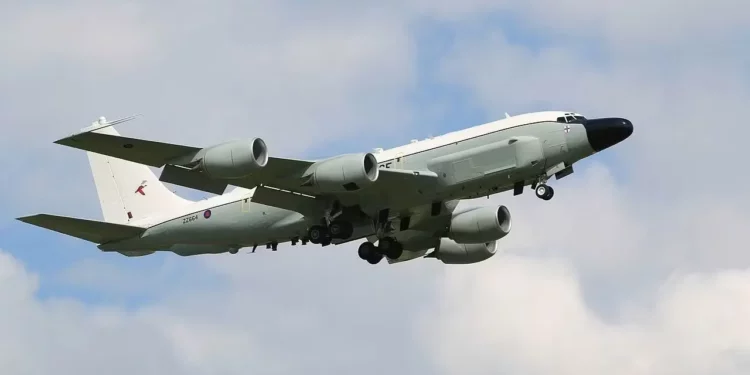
451, 252
344, 173
235, 159
481, 225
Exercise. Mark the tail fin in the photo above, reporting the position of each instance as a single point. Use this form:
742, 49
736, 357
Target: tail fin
129, 191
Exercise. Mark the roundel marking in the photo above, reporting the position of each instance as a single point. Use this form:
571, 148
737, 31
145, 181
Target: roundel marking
207, 214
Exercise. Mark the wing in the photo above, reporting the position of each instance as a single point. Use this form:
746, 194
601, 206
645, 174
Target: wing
393, 188
155, 154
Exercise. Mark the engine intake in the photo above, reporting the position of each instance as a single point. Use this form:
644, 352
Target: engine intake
480, 225
451, 252
344, 173
235, 159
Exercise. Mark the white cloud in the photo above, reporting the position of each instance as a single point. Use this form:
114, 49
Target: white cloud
525, 315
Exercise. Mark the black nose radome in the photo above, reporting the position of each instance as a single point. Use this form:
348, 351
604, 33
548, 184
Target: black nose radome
606, 132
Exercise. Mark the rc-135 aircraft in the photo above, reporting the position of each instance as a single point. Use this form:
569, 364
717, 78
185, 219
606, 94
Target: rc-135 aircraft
404, 199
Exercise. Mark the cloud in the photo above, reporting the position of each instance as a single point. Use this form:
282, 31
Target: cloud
525, 315
257, 324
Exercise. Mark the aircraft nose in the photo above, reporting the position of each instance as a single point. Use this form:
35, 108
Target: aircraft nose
606, 132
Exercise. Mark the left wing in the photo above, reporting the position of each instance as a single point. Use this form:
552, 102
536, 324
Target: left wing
393, 188
155, 154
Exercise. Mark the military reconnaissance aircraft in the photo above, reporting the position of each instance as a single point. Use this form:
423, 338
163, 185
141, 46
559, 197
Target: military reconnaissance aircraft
404, 199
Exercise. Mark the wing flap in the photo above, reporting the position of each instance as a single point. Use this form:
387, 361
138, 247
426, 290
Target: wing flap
304, 204
192, 179
90, 230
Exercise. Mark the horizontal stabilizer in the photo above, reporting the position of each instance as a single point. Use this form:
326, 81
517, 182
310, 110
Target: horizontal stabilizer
90, 230
140, 151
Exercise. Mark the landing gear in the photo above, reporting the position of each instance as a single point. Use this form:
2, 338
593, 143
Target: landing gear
387, 247
367, 251
318, 234
391, 248
544, 192
322, 235
341, 229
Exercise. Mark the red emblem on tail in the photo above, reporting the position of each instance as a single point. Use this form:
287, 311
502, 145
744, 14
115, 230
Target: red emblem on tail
140, 188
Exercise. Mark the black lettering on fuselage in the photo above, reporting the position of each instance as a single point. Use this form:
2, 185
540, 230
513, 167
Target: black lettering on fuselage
189, 219
386, 165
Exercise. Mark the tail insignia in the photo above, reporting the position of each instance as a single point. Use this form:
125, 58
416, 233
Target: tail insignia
140, 188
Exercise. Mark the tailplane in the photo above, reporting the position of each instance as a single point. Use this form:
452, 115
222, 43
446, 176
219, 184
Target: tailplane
89, 230
129, 191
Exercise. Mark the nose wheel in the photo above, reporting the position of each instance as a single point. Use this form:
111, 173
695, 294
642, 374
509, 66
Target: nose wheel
545, 192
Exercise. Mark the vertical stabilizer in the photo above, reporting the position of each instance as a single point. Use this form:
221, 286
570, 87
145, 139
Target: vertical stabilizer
129, 191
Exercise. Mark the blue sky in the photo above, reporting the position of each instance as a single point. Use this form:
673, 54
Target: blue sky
637, 261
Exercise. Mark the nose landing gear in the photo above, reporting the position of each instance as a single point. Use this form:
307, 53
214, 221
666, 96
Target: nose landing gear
545, 192
542, 190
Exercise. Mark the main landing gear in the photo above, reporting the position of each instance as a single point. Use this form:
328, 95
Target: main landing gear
323, 235
387, 246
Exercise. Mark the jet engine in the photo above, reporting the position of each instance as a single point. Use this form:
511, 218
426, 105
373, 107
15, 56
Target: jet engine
344, 173
235, 159
451, 252
480, 225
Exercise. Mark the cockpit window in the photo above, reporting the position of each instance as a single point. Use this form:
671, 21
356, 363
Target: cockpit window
570, 118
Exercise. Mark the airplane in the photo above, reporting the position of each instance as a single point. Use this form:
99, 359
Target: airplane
405, 199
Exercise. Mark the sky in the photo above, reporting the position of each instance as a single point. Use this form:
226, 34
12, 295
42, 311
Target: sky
639, 265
